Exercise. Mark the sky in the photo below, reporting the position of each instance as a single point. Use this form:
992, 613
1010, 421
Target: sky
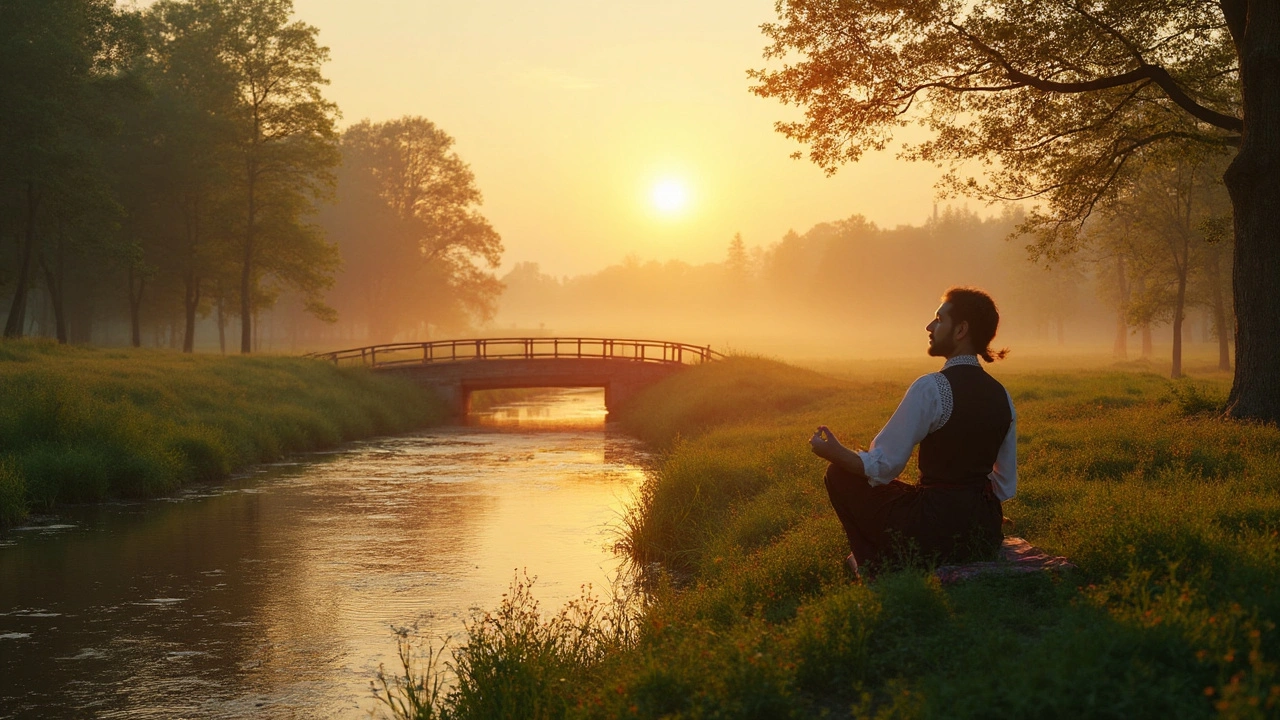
601, 129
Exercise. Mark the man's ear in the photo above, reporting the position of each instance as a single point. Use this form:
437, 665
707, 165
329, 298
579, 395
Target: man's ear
961, 331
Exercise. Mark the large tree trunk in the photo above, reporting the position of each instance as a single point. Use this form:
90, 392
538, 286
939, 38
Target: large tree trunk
13, 326
1253, 179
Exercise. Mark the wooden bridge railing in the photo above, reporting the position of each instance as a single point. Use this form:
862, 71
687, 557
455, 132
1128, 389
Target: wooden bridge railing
419, 353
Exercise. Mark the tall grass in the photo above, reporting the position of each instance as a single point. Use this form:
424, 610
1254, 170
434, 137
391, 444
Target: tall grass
516, 663
84, 424
1171, 515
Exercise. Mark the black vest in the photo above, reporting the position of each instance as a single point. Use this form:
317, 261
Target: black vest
963, 451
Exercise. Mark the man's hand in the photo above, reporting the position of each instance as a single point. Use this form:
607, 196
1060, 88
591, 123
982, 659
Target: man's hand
825, 445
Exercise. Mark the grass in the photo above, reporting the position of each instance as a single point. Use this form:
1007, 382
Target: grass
83, 424
1171, 515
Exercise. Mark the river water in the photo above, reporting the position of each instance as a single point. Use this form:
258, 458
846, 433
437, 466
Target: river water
274, 595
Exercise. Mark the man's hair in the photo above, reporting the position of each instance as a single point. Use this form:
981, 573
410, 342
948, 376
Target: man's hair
975, 307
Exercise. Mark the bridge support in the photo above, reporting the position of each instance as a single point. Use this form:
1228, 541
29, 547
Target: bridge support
454, 382
456, 399
619, 393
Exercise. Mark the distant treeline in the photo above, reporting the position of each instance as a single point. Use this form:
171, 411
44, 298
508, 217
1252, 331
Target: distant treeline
177, 169
852, 288
179, 162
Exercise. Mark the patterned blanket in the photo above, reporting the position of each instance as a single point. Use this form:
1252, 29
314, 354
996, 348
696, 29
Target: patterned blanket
1016, 556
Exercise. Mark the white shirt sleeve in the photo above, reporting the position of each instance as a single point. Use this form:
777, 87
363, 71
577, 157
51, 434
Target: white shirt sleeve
1004, 475
917, 415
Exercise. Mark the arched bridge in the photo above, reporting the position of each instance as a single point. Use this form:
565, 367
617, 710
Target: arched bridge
456, 368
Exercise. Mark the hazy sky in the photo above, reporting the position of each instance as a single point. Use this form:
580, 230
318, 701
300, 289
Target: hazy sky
572, 112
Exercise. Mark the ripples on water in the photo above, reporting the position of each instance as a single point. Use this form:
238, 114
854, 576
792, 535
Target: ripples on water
274, 595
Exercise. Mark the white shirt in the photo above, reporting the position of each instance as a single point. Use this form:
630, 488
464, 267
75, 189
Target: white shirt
924, 410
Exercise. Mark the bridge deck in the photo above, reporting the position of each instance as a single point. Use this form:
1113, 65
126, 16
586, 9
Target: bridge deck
416, 353
453, 369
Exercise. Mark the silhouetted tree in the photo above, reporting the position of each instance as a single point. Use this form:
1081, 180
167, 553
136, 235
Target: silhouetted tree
418, 251
179, 164
736, 263
64, 63
1219, 241
1154, 225
287, 144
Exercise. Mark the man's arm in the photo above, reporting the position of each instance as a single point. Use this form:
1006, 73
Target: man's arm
1004, 475
826, 446
892, 446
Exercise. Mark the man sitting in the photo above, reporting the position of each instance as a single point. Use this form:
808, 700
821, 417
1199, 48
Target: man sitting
964, 422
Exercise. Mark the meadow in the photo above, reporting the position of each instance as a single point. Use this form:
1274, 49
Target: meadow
84, 424
1170, 513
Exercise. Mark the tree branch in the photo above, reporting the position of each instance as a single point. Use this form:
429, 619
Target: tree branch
1144, 71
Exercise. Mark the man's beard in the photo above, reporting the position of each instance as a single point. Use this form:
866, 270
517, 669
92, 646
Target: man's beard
940, 347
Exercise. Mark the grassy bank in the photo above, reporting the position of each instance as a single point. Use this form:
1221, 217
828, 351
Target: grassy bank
1171, 515
84, 424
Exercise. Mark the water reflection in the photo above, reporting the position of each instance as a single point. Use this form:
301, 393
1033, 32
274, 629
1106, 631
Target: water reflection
273, 595
573, 409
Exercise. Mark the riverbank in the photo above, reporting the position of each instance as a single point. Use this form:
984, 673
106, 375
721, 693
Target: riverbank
1171, 515
84, 424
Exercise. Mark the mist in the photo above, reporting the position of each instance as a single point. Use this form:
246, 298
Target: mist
845, 288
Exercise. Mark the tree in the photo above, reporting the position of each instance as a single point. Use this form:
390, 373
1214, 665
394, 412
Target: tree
63, 63
1056, 97
286, 141
1110, 251
1155, 232
736, 263
181, 188
1175, 199
1219, 244
1047, 295
418, 251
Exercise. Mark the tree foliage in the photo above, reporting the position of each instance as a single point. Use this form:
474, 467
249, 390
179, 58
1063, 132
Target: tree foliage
287, 144
1161, 225
1057, 101
164, 164
418, 251
1054, 97
65, 64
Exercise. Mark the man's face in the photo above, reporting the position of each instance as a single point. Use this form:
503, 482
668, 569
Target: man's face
942, 340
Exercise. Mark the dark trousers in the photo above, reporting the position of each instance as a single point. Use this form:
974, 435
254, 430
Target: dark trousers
915, 522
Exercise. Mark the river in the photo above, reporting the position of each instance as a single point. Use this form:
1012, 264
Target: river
274, 594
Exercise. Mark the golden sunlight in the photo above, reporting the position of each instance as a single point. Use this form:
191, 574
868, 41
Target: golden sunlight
670, 196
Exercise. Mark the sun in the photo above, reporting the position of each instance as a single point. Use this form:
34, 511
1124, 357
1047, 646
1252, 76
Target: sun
669, 196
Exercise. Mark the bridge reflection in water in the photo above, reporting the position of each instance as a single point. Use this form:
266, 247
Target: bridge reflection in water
454, 369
